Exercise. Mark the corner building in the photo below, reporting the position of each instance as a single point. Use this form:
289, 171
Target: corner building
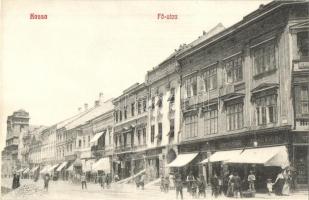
246, 88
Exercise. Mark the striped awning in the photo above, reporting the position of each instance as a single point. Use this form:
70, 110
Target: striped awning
61, 166
27, 170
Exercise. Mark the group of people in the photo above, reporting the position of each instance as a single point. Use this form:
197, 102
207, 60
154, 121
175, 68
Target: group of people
105, 180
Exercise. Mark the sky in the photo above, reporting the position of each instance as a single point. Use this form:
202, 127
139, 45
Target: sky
51, 67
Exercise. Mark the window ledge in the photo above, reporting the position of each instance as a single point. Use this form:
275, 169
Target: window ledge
263, 74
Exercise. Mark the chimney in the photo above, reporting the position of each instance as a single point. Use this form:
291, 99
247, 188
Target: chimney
97, 103
79, 109
101, 97
86, 106
204, 32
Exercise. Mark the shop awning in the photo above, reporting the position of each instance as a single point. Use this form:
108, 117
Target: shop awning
27, 170
20, 170
45, 169
70, 168
182, 160
88, 165
94, 140
61, 166
269, 156
52, 168
34, 169
102, 164
221, 156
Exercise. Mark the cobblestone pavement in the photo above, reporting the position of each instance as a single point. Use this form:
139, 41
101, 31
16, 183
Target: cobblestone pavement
60, 190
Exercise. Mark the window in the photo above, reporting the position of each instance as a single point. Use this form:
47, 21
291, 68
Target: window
172, 128
84, 141
266, 109
159, 102
116, 116
144, 105
144, 135
264, 59
153, 100
303, 43
171, 99
304, 99
211, 122
233, 69
191, 86
234, 116
79, 143
125, 112
132, 109
120, 115
160, 131
152, 133
191, 126
139, 107
116, 141
139, 137
210, 78
88, 140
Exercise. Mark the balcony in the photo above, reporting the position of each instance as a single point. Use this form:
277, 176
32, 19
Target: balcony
302, 124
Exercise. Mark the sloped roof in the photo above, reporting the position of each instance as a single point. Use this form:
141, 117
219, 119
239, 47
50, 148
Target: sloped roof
68, 120
91, 114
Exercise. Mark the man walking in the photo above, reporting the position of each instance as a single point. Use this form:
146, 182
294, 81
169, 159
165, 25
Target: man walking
83, 180
178, 185
251, 180
46, 181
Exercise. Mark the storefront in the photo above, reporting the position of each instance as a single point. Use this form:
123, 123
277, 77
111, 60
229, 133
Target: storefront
301, 157
154, 163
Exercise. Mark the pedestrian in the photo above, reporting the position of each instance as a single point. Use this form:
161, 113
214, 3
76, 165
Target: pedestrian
100, 180
251, 180
166, 184
287, 182
225, 183
46, 181
279, 182
178, 185
214, 186
116, 177
108, 180
201, 187
103, 180
162, 184
220, 183
172, 181
230, 188
194, 189
269, 186
142, 181
237, 185
15, 183
83, 180
190, 179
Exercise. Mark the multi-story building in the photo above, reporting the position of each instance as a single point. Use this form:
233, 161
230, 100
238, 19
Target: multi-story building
17, 123
247, 87
130, 130
163, 84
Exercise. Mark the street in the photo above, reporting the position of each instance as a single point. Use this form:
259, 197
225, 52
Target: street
61, 190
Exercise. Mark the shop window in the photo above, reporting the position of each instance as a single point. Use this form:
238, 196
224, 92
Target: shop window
191, 126
211, 122
132, 109
303, 43
144, 135
264, 58
152, 133
234, 116
266, 109
210, 78
233, 70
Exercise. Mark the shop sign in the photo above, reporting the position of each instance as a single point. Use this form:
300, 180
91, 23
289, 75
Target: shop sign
153, 152
230, 144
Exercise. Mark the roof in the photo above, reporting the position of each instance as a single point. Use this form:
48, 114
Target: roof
253, 16
91, 114
68, 120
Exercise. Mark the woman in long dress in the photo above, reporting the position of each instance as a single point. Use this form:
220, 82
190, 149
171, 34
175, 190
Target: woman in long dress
278, 184
286, 186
